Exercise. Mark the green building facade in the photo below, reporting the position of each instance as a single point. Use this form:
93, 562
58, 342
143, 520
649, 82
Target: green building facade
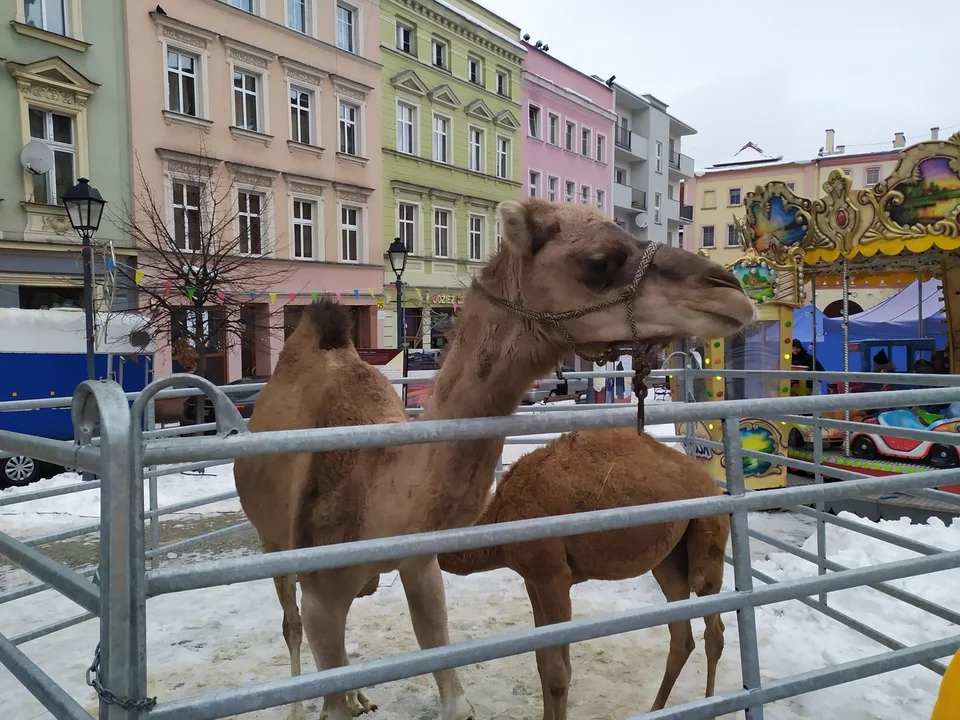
451, 151
65, 84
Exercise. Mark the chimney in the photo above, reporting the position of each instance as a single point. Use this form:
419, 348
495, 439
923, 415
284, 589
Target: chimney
934, 133
899, 140
829, 148
841, 149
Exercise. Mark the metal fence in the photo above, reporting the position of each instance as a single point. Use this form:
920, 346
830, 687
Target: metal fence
121, 446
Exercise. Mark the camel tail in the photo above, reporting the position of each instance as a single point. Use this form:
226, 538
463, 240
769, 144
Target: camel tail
706, 540
328, 323
468, 562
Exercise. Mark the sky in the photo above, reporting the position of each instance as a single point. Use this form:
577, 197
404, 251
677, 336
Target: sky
775, 73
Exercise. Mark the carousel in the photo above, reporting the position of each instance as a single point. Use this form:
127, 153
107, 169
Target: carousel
904, 228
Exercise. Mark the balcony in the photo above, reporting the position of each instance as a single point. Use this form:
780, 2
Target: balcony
622, 137
629, 198
686, 213
681, 164
629, 145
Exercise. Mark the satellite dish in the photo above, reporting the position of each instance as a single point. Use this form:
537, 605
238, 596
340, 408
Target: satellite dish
36, 157
140, 338
641, 220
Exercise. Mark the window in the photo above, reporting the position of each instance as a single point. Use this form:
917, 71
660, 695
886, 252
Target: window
407, 225
534, 183
301, 123
734, 197
707, 239
298, 15
533, 128
620, 176
246, 100
182, 83
570, 137
406, 38
503, 83
441, 139
350, 233
585, 194
553, 129
733, 237
659, 157
503, 158
872, 175
474, 70
586, 140
552, 188
571, 191
249, 6
346, 28
349, 135
50, 15
406, 127
669, 192
441, 233
476, 149
601, 148
249, 214
657, 197
601, 200
56, 131
848, 172
709, 199
303, 219
186, 216
439, 54
476, 237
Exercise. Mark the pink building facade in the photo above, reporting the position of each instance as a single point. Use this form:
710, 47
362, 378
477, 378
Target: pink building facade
567, 148
278, 105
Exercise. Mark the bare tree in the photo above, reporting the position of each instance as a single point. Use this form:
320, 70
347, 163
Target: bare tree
200, 258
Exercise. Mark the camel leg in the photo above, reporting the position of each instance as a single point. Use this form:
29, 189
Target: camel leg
671, 575
326, 603
423, 586
713, 634
292, 626
550, 598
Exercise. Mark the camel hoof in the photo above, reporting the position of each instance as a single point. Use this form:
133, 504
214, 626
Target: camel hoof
359, 704
461, 709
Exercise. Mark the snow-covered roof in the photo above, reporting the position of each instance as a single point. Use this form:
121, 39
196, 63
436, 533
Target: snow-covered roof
479, 23
748, 155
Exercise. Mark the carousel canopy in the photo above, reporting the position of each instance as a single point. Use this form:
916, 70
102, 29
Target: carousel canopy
803, 324
897, 316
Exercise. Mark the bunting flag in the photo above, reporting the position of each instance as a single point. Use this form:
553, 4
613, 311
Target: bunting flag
253, 295
419, 294
137, 276
313, 296
356, 293
337, 294
221, 298
273, 297
372, 293
111, 264
190, 292
293, 297
167, 287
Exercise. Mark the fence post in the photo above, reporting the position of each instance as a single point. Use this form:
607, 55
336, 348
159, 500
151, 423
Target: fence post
821, 506
150, 423
742, 564
689, 445
118, 673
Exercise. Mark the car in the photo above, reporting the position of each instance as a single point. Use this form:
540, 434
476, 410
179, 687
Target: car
552, 386
801, 436
244, 402
873, 445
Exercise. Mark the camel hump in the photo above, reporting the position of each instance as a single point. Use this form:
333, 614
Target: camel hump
329, 322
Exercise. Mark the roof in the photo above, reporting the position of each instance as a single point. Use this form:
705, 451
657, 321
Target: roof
471, 19
653, 102
749, 154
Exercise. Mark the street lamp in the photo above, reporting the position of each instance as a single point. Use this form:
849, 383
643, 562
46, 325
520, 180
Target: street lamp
397, 252
84, 206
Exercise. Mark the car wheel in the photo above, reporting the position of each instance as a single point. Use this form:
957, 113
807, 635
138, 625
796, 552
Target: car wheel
795, 439
864, 447
20, 471
943, 456
553, 393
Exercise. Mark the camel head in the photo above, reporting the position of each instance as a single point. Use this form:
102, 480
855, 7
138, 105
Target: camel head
573, 261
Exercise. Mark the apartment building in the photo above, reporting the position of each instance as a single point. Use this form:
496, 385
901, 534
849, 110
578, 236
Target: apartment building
65, 87
649, 167
568, 133
451, 146
277, 106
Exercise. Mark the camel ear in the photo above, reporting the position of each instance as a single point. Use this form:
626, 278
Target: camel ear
526, 227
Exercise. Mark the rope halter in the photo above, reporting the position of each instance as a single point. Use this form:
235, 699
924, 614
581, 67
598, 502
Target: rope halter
642, 353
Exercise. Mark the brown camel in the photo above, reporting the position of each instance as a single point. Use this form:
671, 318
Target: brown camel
555, 259
599, 470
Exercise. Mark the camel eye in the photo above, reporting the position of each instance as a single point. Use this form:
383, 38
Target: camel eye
599, 266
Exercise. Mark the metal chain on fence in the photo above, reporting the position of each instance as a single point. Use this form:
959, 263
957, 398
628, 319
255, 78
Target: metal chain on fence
108, 696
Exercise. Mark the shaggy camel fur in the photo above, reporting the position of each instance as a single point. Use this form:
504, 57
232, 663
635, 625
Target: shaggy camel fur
554, 258
599, 470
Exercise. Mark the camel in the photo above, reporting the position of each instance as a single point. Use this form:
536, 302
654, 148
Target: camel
565, 277
599, 470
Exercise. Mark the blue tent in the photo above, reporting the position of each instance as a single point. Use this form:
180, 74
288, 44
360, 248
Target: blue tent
803, 324
897, 316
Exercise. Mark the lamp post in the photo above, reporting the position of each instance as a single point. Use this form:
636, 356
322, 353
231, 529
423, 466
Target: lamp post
84, 206
397, 252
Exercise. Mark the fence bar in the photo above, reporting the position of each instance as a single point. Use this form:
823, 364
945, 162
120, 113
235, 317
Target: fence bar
28, 590
188, 504
61, 578
53, 697
937, 495
61, 452
150, 425
351, 438
249, 698
63, 535
185, 468
868, 529
51, 628
199, 539
821, 506
52, 492
743, 580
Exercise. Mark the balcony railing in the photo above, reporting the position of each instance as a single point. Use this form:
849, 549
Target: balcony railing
638, 199
675, 160
686, 213
622, 136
